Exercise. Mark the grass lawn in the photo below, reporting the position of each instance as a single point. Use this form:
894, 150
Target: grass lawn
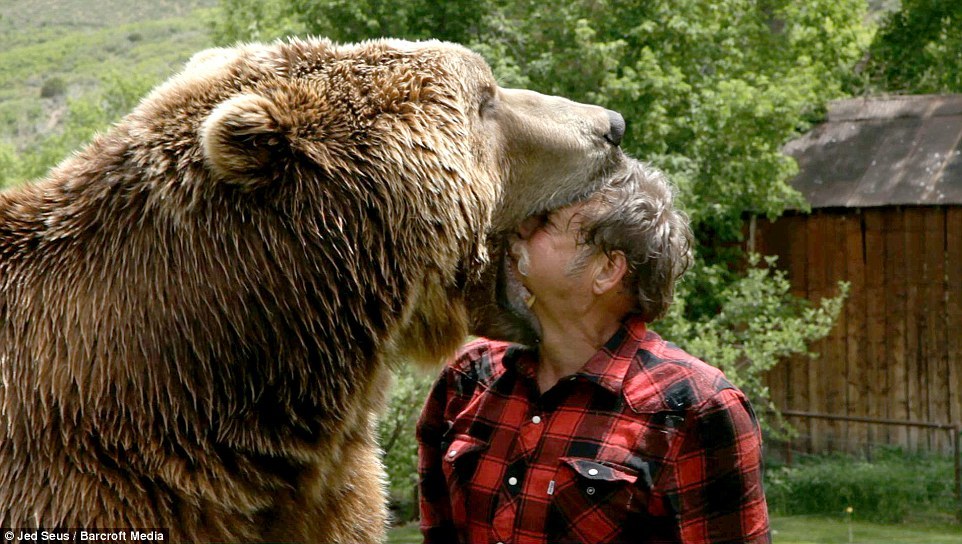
805, 530
407, 534
812, 530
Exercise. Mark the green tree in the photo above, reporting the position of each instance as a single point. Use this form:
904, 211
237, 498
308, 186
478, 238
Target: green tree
918, 49
351, 20
254, 20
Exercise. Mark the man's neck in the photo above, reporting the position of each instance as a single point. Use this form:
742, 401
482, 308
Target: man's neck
566, 345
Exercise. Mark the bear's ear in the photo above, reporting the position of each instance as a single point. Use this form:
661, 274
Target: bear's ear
242, 137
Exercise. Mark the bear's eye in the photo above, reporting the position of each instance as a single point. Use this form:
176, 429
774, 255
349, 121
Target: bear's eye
488, 101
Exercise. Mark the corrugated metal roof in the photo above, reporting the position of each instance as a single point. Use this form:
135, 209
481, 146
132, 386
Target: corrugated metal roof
903, 150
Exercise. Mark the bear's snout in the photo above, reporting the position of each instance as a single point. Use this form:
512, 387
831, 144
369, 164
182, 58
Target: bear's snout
616, 128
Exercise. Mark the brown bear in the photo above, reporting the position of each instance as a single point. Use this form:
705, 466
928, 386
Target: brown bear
199, 310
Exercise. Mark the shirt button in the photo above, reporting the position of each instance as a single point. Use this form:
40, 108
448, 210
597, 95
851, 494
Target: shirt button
592, 472
512, 481
590, 491
536, 420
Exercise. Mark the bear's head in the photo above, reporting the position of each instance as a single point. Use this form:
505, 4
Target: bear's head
423, 143
277, 221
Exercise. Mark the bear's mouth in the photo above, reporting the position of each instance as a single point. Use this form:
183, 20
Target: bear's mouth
518, 295
512, 296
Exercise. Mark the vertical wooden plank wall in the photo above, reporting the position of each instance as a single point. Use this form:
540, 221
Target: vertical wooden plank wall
914, 305
797, 253
896, 352
880, 243
778, 234
856, 316
934, 354
833, 376
953, 310
816, 256
891, 329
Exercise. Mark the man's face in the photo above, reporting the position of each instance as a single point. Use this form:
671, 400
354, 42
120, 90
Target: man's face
547, 251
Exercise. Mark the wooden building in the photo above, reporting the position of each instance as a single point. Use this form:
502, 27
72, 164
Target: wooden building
884, 178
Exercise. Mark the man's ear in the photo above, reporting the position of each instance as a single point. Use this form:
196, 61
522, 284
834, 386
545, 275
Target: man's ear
610, 269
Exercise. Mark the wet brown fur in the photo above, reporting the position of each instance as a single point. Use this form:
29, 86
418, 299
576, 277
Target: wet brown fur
198, 311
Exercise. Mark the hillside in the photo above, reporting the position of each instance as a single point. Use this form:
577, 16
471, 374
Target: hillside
59, 57
55, 52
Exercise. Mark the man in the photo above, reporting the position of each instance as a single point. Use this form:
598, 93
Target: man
601, 432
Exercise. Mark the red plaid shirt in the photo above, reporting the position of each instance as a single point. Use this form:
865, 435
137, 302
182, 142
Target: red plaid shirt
644, 444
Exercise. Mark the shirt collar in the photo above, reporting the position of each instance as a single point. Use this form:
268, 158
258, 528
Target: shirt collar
609, 365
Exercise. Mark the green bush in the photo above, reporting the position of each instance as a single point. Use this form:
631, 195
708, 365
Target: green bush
54, 86
890, 488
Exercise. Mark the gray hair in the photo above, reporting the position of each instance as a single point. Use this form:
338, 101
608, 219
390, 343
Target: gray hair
634, 213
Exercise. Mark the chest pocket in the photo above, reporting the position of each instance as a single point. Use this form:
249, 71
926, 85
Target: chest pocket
592, 501
459, 464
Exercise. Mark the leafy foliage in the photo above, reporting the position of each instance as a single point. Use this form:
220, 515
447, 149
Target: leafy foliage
10, 165
397, 438
52, 87
77, 44
918, 49
254, 20
889, 488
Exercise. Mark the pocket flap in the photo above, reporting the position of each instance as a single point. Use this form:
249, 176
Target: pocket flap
462, 445
605, 472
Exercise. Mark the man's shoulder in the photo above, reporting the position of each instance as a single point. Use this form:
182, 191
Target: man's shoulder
664, 377
481, 360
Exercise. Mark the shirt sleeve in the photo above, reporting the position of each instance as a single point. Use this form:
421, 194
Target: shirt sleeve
437, 525
715, 478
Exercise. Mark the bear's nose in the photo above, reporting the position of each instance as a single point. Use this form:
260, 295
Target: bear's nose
616, 130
